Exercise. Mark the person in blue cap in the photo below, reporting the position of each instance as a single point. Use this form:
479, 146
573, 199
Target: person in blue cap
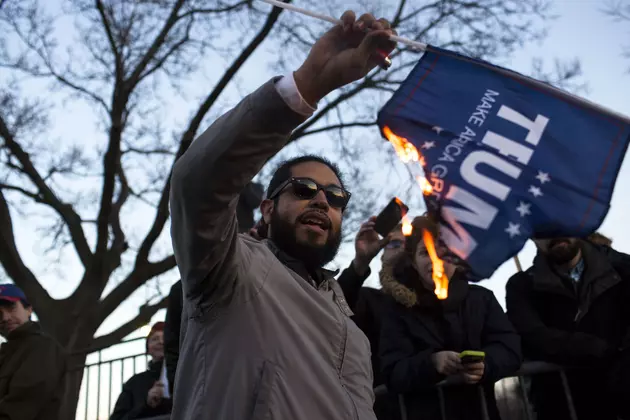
32, 364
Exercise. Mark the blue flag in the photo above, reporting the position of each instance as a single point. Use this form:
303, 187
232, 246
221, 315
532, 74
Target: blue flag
508, 157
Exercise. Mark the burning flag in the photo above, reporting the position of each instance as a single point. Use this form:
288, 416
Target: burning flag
409, 154
505, 157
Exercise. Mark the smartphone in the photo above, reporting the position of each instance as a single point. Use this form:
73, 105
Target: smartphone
472, 356
391, 215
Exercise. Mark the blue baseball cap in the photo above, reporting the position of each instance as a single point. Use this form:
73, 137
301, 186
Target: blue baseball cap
12, 293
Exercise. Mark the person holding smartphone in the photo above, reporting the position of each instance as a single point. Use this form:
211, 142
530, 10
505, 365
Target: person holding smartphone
425, 340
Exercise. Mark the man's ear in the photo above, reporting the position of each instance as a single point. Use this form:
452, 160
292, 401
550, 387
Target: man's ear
266, 208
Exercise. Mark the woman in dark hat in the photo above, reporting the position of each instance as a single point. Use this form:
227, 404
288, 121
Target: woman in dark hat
142, 395
422, 337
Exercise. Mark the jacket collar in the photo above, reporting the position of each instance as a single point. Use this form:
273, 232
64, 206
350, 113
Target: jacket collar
25, 330
155, 365
599, 275
398, 282
318, 278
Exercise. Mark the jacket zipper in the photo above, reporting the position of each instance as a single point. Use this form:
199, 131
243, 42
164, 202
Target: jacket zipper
343, 358
577, 315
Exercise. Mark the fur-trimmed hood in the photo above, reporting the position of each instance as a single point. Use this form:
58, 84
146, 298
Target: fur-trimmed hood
398, 278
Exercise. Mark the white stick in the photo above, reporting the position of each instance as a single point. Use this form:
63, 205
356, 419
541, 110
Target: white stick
414, 44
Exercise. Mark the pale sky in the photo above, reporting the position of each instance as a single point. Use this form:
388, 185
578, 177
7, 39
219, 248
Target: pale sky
580, 31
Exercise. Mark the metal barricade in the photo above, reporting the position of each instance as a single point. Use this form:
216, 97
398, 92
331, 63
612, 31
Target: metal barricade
103, 380
527, 370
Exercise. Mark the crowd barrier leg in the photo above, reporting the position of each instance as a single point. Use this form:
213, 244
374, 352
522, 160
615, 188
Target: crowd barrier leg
567, 393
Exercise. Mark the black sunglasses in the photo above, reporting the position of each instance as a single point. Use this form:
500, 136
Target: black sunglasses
306, 189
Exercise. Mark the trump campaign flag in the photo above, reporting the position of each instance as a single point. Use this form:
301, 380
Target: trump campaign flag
507, 157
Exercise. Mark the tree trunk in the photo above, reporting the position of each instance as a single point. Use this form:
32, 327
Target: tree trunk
75, 340
74, 378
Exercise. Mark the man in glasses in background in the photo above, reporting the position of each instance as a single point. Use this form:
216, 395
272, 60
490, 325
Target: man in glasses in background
268, 331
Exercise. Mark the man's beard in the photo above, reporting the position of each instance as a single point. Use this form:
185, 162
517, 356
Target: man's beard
560, 255
284, 235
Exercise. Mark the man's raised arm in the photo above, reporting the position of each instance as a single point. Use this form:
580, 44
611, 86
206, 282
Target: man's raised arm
208, 179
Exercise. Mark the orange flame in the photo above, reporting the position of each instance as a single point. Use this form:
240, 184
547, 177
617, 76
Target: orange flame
407, 229
406, 151
424, 183
439, 277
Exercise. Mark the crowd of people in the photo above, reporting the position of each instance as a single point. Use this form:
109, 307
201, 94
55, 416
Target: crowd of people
259, 329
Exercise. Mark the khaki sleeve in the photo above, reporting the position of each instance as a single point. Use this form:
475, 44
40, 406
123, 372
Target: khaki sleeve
205, 186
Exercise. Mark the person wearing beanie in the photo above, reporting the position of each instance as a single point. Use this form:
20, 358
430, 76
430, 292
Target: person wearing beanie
142, 395
28, 392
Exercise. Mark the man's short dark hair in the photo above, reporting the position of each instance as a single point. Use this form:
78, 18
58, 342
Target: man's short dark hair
283, 172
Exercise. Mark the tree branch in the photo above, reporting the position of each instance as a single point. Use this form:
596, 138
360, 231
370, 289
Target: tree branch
172, 19
132, 282
110, 38
33, 196
187, 138
48, 197
336, 127
144, 315
13, 264
219, 10
301, 130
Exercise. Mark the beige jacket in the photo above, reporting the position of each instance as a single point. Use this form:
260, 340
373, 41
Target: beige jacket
259, 340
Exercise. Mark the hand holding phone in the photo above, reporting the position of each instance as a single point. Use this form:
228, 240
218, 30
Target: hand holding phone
389, 218
474, 366
472, 356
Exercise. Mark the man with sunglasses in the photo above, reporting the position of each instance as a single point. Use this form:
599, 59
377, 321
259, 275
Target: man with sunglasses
266, 331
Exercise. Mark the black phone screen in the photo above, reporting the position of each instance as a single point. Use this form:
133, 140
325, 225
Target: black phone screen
391, 215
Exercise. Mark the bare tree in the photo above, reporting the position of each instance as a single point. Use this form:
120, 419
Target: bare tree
128, 62
619, 11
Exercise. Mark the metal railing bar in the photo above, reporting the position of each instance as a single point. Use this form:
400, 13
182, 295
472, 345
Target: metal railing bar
528, 410
567, 393
484, 403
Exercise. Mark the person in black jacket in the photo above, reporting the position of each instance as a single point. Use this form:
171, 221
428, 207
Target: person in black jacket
171, 332
32, 364
368, 307
422, 337
142, 395
571, 308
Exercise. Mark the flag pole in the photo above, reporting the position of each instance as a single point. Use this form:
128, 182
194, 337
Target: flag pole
519, 267
420, 46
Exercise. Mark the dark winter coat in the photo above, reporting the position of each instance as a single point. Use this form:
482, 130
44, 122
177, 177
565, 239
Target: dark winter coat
171, 332
369, 309
419, 325
565, 324
132, 401
32, 375
584, 324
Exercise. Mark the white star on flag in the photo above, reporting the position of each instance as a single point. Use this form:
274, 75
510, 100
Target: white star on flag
428, 145
524, 208
437, 129
535, 191
543, 177
513, 229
